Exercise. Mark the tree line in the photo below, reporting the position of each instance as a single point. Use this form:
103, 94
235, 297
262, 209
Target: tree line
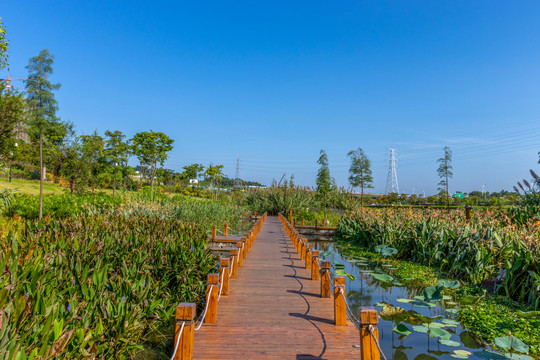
32, 137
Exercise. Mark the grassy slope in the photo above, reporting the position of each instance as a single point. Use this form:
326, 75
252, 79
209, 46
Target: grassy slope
31, 187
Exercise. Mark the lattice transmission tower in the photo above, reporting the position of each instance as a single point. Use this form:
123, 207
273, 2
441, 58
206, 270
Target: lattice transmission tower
237, 175
392, 185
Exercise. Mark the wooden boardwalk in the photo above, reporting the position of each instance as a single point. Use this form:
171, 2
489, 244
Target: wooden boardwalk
274, 310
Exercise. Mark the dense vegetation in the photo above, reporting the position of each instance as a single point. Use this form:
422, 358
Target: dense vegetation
475, 251
103, 283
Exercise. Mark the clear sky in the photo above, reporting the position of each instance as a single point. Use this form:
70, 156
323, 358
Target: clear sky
273, 82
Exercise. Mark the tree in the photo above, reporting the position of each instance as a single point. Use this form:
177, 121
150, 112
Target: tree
151, 148
94, 153
11, 114
192, 171
116, 154
43, 105
360, 172
75, 167
445, 172
213, 175
325, 183
3, 46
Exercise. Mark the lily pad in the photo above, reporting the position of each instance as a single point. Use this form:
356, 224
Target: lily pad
440, 333
423, 304
420, 329
518, 356
450, 343
448, 284
381, 304
406, 301
461, 354
383, 277
436, 325
450, 322
490, 355
452, 310
339, 265
341, 272
396, 283
402, 330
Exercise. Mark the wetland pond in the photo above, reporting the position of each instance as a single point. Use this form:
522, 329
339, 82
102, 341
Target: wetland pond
413, 324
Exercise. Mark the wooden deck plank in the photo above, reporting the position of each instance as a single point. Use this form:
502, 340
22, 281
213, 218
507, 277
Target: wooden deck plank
274, 310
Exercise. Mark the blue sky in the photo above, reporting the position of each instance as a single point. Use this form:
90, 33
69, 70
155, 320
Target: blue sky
275, 82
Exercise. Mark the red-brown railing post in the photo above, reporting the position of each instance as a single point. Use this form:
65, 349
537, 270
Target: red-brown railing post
325, 279
240, 246
308, 256
340, 307
185, 313
315, 265
316, 223
302, 249
212, 292
303, 222
245, 244
234, 263
224, 263
294, 222
214, 233
225, 230
368, 347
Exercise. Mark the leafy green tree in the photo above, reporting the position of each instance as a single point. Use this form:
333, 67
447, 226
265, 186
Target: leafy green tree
116, 154
324, 180
325, 183
94, 153
193, 171
43, 105
151, 149
213, 175
75, 168
360, 172
3, 46
11, 114
445, 172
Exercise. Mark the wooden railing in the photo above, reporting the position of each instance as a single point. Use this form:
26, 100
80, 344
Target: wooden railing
218, 284
320, 269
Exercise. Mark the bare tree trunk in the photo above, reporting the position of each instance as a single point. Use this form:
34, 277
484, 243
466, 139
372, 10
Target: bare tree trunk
362, 198
41, 176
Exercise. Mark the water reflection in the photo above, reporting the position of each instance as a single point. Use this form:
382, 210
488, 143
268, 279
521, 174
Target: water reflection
367, 291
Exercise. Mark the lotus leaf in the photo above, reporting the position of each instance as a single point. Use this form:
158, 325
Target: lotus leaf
420, 329
450, 322
447, 284
382, 277
518, 356
450, 342
440, 333
432, 293
402, 330
406, 301
339, 265
490, 355
511, 342
453, 310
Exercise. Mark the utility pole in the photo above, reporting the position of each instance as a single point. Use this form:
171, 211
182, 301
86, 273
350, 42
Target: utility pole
237, 175
392, 185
